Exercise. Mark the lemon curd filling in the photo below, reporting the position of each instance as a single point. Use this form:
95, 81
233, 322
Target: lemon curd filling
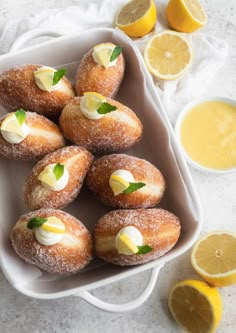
208, 134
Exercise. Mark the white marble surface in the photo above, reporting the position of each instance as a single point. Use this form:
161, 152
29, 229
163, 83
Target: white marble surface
19, 314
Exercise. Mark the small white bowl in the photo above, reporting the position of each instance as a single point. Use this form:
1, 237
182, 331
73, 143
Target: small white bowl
178, 125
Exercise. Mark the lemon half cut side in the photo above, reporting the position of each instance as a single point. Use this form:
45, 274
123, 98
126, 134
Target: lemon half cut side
137, 18
196, 306
214, 258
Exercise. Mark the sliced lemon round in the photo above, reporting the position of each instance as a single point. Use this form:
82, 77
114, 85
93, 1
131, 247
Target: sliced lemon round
102, 54
118, 184
125, 245
11, 129
168, 55
185, 15
196, 306
137, 18
53, 224
214, 258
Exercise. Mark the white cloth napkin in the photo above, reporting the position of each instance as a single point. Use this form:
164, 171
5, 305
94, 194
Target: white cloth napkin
210, 52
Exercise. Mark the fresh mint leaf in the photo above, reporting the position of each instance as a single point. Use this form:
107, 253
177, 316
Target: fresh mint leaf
58, 75
144, 249
106, 108
115, 53
58, 171
20, 116
36, 222
133, 187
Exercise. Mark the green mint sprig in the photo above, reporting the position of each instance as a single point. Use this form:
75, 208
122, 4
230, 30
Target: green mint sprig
58, 75
115, 53
36, 222
20, 116
58, 170
144, 249
106, 108
133, 187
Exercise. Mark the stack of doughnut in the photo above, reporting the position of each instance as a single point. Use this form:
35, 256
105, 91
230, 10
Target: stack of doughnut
62, 140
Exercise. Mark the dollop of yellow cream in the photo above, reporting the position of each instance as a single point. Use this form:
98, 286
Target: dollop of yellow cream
208, 134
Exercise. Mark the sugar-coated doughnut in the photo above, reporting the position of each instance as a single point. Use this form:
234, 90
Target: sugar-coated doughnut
159, 230
43, 138
115, 132
71, 253
92, 76
76, 162
18, 89
142, 171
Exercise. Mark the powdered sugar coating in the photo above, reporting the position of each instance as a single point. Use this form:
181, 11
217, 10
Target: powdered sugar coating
116, 131
70, 255
93, 77
44, 137
160, 230
77, 161
142, 171
19, 90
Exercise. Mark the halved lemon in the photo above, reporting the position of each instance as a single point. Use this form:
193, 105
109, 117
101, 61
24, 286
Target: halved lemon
125, 245
11, 125
214, 258
168, 55
53, 224
196, 306
102, 53
118, 184
185, 15
137, 18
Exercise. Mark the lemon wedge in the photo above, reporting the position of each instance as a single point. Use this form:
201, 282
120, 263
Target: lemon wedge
53, 224
125, 245
196, 306
137, 18
11, 130
214, 258
168, 55
102, 54
90, 103
185, 15
44, 78
47, 176
118, 184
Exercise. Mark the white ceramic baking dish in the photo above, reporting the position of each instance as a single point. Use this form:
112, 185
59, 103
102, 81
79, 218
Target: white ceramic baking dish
158, 145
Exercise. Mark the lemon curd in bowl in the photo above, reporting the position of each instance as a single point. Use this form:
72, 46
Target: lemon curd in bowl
206, 130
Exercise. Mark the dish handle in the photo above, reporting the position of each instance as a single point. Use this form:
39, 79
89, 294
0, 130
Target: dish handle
123, 307
34, 33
